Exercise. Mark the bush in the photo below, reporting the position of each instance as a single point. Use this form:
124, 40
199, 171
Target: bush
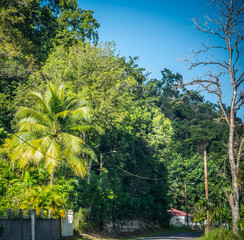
80, 223
241, 221
241, 226
221, 234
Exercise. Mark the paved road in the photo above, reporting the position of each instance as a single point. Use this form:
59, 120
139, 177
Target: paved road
176, 236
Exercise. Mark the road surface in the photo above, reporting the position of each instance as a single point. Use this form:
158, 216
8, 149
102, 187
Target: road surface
176, 236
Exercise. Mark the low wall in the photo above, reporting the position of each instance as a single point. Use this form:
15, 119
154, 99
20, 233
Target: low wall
128, 226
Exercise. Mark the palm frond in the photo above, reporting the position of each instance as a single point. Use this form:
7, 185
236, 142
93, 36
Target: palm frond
82, 113
27, 125
39, 148
78, 165
60, 90
9, 145
23, 161
63, 114
76, 103
85, 127
20, 153
70, 142
39, 98
89, 151
99, 129
29, 112
21, 137
52, 155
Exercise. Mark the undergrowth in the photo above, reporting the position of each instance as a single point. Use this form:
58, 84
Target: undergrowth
220, 234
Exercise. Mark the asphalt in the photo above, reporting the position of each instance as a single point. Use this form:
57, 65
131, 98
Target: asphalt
177, 236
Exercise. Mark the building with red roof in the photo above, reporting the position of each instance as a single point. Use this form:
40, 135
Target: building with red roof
178, 218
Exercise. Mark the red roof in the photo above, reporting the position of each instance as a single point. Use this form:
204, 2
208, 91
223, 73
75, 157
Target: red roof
176, 212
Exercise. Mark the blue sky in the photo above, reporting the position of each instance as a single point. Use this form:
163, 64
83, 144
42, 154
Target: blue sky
159, 32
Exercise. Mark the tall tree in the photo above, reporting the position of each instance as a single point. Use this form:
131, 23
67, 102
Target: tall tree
37, 25
193, 119
51, 131
227, 27
29, 30
137, 134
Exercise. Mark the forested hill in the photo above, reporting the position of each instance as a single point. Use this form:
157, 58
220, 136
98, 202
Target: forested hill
84, 128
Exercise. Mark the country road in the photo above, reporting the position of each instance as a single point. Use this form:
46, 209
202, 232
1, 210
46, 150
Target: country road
176, 236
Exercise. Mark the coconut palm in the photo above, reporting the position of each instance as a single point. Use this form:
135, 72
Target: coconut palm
51, 130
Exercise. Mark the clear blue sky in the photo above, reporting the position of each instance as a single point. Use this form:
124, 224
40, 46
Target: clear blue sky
159, 32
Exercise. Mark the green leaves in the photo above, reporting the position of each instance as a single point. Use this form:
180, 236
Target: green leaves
52, 129
191, 171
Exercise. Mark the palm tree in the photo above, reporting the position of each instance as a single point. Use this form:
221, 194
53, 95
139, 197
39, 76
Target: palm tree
53, 128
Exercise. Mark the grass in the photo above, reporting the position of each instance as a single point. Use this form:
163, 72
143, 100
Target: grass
127, 236
220, 234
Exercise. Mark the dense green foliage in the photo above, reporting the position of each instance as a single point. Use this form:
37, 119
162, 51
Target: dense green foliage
220, 233
127, 155
50, 131
191, 171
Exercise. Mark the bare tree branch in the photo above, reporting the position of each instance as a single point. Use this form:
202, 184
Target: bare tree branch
227, 26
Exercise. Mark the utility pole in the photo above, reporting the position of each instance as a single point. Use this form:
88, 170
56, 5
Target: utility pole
206, 188
187, 221
101, 159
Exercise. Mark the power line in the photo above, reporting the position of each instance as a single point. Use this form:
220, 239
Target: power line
131, 174
142, 177
34, 147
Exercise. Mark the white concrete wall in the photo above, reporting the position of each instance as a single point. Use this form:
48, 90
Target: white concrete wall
127, 226
180, 221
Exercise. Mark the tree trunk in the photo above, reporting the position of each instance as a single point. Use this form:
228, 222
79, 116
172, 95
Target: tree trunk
234, 196
89, 171
51, 181
234, 204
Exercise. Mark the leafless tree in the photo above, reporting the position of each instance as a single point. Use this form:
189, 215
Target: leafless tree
226, 28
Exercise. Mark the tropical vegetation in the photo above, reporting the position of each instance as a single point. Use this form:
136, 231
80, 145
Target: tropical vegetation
98, 135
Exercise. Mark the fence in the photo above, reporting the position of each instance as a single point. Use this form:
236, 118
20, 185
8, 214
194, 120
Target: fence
26, 225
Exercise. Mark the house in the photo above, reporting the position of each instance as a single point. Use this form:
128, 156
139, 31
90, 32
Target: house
178, 218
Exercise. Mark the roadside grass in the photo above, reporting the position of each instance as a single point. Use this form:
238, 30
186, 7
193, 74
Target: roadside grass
127, 236
220, 234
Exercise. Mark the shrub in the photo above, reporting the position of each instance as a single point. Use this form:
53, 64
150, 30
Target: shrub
80, 223
220, 233
46, 198
241, 222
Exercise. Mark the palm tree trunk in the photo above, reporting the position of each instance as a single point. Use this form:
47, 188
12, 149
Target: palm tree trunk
51, 181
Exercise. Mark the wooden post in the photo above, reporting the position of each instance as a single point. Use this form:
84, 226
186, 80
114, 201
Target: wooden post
206, 188
187, 221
